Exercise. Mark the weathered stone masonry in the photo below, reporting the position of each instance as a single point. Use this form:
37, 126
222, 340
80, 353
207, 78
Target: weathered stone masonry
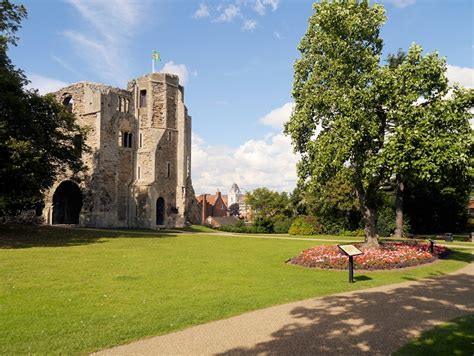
139, 167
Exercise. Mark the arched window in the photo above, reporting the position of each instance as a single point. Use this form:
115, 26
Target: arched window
160, 211
68, 102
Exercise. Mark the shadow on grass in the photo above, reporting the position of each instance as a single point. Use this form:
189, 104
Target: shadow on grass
453, 338
26, 236
376, 322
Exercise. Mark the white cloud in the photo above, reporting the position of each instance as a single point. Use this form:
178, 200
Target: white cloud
45, 85
260, 5
268, 162
277, 117
249, 25
461, 75
105, 44
203, 11
228, 13
402, 3
179, 69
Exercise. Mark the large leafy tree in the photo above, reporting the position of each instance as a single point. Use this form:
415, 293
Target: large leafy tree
335, 89
428, 136
39, 138
267, 204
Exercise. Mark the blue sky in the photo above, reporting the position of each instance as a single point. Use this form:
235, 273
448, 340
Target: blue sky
234, 57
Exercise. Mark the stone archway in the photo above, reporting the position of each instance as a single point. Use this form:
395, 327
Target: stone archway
67, 203
160, 211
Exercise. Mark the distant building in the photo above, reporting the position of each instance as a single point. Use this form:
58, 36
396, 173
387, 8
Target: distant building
218, 205
235, 196
212, 205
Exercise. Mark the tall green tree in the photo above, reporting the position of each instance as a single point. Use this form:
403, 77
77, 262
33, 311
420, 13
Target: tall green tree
335, 90
267, 204
39, 138
428, 136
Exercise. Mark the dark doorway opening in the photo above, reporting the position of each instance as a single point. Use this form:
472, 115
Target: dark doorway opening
67, 203
160, 211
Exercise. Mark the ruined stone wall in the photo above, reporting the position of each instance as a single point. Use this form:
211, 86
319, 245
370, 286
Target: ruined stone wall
122, 183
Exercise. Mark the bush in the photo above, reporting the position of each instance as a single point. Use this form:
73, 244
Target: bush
281, 226
305, 225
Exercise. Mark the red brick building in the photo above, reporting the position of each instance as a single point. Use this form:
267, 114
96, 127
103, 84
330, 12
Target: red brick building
212, 205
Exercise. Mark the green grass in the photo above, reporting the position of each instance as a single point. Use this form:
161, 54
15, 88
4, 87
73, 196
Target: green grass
452, 338
198, 228
76, 291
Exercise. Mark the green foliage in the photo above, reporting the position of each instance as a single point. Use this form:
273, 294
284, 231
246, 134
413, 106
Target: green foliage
39, 138
282, 224
437, 208
377, 122
10, 19
306, 225
334, 90
266, 204
334, 202
234, 209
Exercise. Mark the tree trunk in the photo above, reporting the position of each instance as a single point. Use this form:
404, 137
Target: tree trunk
371, 237
370, 216
399, 207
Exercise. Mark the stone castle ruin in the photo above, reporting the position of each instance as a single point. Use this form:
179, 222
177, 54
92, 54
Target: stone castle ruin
138, 171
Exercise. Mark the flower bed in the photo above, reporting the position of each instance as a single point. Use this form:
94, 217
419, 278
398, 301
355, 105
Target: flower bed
390, 255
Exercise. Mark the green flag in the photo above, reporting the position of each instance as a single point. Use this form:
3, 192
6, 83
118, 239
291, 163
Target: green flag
155, 56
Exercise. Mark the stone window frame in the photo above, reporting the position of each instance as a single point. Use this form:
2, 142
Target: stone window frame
139, 172
125, 139
143, 98
168, 170
68, 101
170, 136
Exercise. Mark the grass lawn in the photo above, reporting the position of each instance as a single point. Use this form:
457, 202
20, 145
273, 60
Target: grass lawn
76, 291
452, 338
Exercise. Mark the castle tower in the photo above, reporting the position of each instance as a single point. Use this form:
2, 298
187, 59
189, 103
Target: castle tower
163, 153
138, 169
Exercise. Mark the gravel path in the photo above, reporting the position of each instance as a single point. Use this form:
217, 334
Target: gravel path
372, 321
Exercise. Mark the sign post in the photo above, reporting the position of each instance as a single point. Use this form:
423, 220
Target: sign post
431, 245
350, 251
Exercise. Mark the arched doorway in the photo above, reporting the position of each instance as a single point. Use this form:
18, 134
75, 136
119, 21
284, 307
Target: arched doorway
67, 203
160, 211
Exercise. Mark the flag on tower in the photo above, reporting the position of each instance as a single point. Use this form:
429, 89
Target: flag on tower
155, 56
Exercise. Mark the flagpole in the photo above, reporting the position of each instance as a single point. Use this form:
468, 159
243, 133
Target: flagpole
153, 65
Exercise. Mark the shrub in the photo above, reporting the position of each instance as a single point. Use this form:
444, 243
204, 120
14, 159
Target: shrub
281, 226
305, 225
386, 222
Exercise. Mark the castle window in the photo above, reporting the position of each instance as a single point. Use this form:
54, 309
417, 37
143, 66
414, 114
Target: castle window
169, 135
127, 105
140, 140
139, 173
125, 139
68, 102
168, 169
188, 166
119, 104
143, 98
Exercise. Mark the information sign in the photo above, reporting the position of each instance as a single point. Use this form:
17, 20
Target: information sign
350, 250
